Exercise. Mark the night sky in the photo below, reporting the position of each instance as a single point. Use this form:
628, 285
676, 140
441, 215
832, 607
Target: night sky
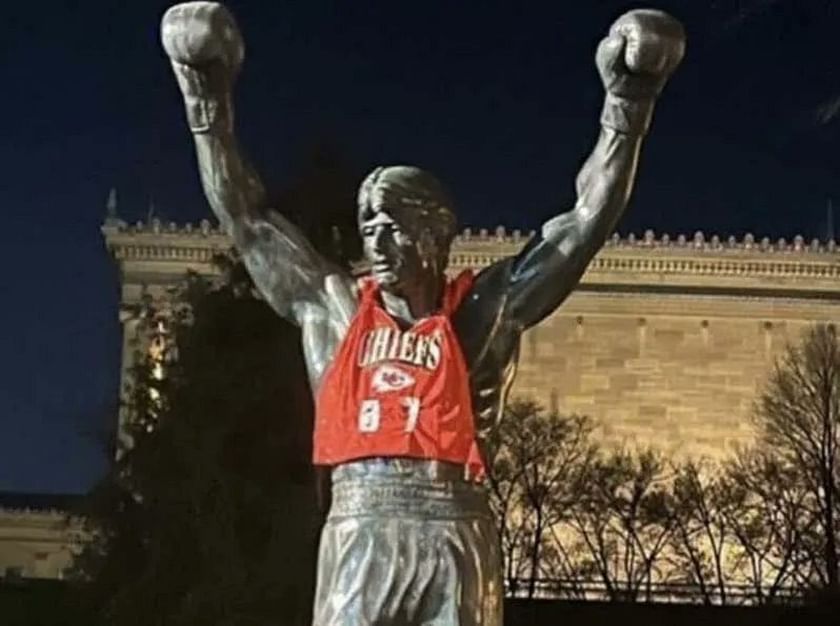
500, 99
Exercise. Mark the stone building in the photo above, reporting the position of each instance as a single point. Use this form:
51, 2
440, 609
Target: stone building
665, 341
37, 539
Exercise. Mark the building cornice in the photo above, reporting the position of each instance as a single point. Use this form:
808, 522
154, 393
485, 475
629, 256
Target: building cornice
46, 517
746, 263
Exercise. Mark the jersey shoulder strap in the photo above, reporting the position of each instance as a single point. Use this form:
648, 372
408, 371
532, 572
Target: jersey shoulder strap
455, 291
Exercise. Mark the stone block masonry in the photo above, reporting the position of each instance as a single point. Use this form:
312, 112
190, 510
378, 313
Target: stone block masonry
665, 342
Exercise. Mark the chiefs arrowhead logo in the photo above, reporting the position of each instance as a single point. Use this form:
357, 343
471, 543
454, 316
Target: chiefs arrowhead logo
390, 378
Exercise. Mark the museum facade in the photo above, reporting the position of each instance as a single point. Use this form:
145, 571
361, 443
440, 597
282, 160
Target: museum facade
665, 342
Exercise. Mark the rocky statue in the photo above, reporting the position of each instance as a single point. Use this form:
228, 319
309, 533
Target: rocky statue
410, 368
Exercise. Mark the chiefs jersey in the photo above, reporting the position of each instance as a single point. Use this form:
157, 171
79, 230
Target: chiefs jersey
398, 392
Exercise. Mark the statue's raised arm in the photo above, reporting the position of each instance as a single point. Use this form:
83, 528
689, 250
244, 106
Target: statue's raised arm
206, 50
635, 60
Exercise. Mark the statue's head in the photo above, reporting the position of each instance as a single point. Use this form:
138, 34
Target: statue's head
407, 225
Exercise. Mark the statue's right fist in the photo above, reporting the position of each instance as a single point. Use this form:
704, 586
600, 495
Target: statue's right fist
642, 50
201, 33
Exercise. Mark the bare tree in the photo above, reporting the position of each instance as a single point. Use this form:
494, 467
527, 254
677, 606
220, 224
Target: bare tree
770, 522
539, 462
505, 481
698, 545
625, 518
798, 418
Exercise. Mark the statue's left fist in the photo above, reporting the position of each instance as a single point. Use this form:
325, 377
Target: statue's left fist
642, 50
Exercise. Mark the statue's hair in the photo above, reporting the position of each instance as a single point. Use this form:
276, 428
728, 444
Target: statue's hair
408, 188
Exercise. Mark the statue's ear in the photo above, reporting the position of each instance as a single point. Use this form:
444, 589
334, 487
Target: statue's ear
427, 247
429, 237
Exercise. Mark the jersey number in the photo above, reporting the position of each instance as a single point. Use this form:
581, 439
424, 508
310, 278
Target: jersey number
370, 411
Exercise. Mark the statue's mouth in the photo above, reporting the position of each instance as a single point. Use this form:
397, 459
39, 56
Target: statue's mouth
381, 268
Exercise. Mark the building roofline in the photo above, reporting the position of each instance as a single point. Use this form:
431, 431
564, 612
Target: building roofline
22, 502
650, 240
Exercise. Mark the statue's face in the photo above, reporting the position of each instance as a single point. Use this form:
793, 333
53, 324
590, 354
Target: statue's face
397, 248
406, 225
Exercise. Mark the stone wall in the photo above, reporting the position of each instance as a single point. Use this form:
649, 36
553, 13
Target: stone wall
665, 342
677, 373
36, 544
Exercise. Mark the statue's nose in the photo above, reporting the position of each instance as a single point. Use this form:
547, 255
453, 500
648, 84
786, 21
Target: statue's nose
380, 242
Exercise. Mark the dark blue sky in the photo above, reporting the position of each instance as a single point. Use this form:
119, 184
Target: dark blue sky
499, 98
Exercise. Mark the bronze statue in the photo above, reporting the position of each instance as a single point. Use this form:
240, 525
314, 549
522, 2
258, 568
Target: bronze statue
409, 368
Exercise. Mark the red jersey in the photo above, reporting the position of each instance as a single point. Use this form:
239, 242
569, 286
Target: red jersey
393, 392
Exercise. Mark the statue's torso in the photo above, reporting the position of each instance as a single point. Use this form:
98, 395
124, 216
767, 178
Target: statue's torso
490, 348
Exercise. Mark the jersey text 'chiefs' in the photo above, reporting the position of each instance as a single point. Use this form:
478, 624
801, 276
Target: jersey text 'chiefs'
393, 392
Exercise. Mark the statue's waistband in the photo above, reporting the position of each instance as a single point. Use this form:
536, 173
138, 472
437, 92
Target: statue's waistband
406, 488
400, 467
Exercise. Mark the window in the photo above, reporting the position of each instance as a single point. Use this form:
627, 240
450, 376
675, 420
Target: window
13, 572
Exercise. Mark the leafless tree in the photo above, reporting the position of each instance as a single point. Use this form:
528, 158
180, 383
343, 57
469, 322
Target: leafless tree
505, 481
624, 517
770, 523
539, 460
698, 545
798, 419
